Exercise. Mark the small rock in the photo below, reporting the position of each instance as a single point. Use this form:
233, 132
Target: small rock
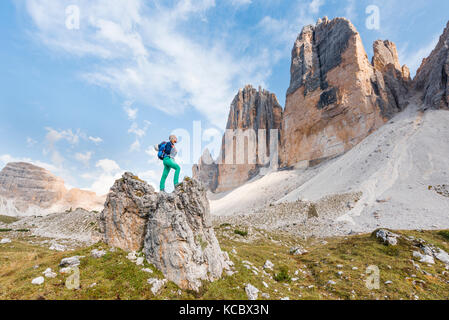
93, 285
57, 247
355, 268
388, 282
387, 237
65, 270
49, 273
252, 292
265, 295
5, 241
157, 285
298, 251
423, 258
38, 281
265, 284
268, 265
339, 266
139, 261
147, 270
132, 256
97, 253
233, 251
331, 282
286, 298
70, 262
443, 256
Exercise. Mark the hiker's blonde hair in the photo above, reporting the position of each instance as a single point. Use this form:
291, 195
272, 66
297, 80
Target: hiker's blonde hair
173, 137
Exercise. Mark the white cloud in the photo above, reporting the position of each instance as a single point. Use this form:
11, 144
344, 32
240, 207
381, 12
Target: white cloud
96, 140
151, 58
139, 132
152, 155
152, 177
315, 6
54, 136
135, 146
108, 166
131, 112
84, 158
109, 171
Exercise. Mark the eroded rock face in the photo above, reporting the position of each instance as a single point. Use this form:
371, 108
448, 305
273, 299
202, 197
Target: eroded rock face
174, 229
432, 76
336, 97
124, 218
26, 189
251, 110
180, 240
396, 79
30, 185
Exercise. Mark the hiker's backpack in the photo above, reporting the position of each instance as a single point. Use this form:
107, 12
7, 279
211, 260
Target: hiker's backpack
161, 150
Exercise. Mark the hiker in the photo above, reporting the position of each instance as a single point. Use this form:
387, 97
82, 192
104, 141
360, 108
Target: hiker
167, 152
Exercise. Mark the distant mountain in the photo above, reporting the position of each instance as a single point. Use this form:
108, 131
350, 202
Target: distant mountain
26, 189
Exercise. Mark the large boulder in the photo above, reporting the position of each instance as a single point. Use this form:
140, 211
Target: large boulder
174, 230
180, 240
124, 218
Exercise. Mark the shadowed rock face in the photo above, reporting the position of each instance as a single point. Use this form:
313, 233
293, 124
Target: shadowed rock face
336, 96
396, 78
251, 109
432, 76
174, 230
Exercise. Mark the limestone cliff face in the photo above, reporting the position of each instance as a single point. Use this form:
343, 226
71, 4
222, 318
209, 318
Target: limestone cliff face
396, 78
252, 111
28, 189
432, 76
253, 114
30, 185
336, 96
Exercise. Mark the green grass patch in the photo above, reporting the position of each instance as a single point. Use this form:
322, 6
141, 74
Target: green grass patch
8, 219
444, 234
241, 232
282, 275
344, 260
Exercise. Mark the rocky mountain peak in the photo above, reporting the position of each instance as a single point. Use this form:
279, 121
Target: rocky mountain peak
336, 96
432, 76
252, 109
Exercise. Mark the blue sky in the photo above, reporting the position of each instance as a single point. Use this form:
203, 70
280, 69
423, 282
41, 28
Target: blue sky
89, 103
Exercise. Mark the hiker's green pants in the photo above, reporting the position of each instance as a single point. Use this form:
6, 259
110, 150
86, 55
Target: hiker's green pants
169, 164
